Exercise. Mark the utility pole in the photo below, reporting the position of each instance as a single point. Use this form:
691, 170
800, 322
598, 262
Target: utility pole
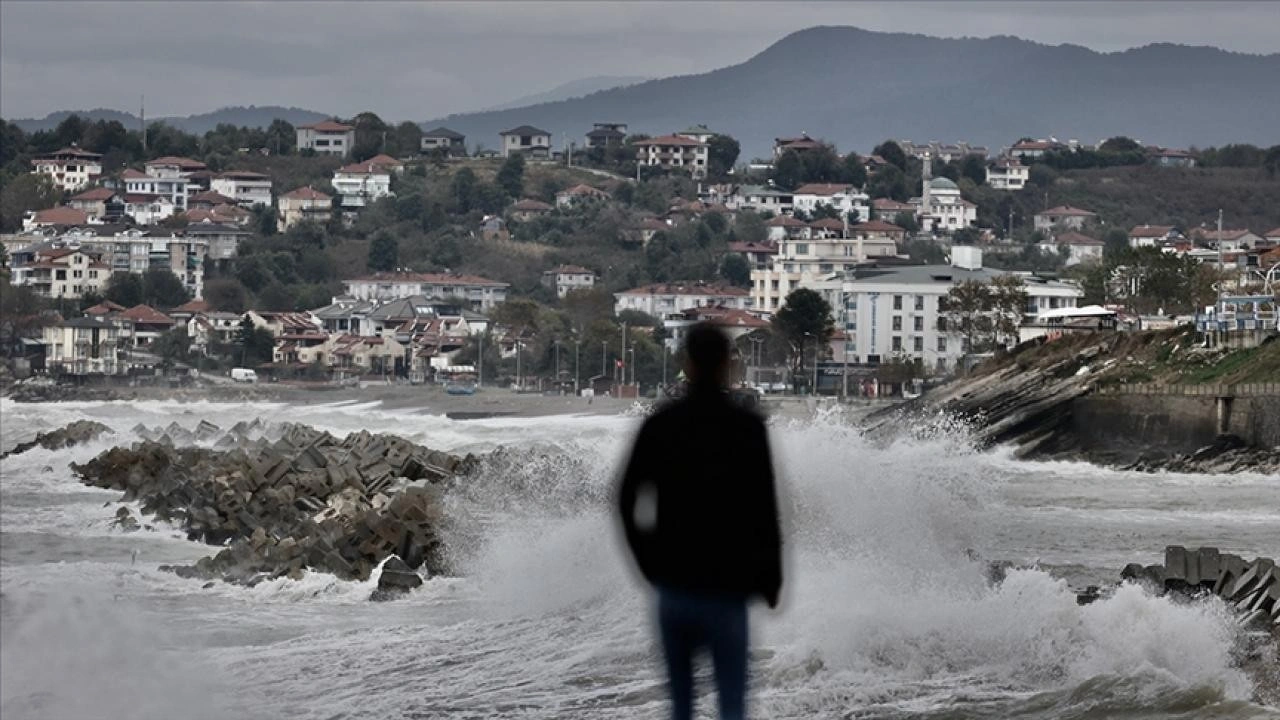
142, 118
1221, 279
480, 363
624, 353
519, 384
577, 346
604, 357
815, 365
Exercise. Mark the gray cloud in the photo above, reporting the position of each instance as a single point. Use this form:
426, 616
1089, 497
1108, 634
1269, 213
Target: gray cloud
409, 60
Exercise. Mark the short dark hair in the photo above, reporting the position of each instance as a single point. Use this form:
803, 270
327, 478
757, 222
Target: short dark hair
708, 351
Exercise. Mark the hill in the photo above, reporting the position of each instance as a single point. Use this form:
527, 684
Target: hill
856, 87
250, 116
573, 89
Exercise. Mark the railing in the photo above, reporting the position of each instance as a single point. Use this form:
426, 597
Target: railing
1211, 390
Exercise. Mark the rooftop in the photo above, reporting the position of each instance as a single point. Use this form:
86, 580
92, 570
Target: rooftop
525, 130
1067, 210
444, 132
327, 126
426, 278
687, 288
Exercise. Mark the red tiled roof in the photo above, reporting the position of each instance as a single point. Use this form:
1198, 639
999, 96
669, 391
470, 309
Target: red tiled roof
385, 160
670, 140
1272, 233
827, 224
581, 189
131, 174
367, 167
1150, 231
890, 204
243, 175
61, 215
1067, 210
103, 308
1170, 152
327, 126
721, 316
879, 226
1226, 234
73, 151
184, 163
193, 306
686, 288
211, 197
94, 195
146, 315
824, 189
1034, 145
306, 193
571, 270
433, 278
750, 247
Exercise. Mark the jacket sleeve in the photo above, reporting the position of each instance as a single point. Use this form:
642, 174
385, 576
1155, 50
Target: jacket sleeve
767, 523
637, 472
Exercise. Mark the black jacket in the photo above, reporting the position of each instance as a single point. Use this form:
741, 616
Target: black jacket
717, 515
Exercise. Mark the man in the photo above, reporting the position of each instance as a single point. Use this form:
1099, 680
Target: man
700, 516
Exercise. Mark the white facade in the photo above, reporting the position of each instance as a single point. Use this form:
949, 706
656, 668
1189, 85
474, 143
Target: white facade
70, 168
566, 279
326, 138
1063, 216
1008, 175
807, 261
662, 299
149, 209
941, 207
1080, 248
675, 152
246, 188
844, 198
63, 273
171, 186
762, 199
528, 140
480, 293
360, 184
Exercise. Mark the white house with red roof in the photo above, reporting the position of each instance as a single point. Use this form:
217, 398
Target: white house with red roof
70, 168
1008, 173
1153, 235
843, 197
732, 321
62, 272
359, 184
663, 299
478, 293
56, 216
326, 137
674, 152
248, 189
568, 278
787, 227
1229, 239
1080, 248
1063, 217
302, 205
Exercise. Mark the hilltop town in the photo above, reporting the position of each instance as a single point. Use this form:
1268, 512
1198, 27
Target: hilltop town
347, 249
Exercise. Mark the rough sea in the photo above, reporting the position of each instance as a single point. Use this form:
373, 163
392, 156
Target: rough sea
886, 612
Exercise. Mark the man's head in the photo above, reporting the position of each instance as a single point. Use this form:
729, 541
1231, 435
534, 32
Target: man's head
706, 355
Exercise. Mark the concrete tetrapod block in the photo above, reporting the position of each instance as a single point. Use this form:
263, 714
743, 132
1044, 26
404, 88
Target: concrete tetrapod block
1175, 564
1209, 563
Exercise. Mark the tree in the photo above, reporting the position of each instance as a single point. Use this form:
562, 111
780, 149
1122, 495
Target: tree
888, 182
281, 137
256, 345
1119, 144
1271, 162
788, 170
161, 288
125, 288
965, 311
226, 294
974, 168
384, 252
463, 190
735, 269
28, 191
1008, 302
750, 227
854, 171
722, 153
408, 138
371, 133
805, 316
172, 347
907, 221
891, 152
511, 175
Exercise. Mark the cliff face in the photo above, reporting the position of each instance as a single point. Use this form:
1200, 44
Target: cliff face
1136, 400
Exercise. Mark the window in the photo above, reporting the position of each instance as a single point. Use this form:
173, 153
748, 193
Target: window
61, 275
919, 302
322, 143
897, 302
93, 274
942, 344
77, 274
897, 343
942, 324
918, 344
918, 324
802, 248
897, 323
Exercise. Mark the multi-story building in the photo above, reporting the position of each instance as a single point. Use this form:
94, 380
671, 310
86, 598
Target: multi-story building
445, 140
843, 198
803, 143
85, 346
1080, 248
222, 239
526, 139
478, 293
304, 204
762, 199
674, 152
663, 299
62, 272
101, 204
606, 135
137, 251
896, 312
1063, 217
567, 278
165, 187
359, 184
246, 188
326, 138
70, 168
806, 259
1008, 173
1153, 235
701, 133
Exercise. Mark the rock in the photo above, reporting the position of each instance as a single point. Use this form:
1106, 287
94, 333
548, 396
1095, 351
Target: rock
80, 431
396, 579
125, 521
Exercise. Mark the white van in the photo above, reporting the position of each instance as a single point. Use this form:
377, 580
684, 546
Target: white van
245, 375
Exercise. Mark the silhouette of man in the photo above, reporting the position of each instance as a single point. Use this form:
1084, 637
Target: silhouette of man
700, 516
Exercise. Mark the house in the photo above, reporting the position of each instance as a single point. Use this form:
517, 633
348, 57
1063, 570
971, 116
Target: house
62, 272
1080, 248
843, 198
941, 151
606, 135
1153, 235
798, 144
895, 312
171, 166
222, 239
225, 214
359, 184
135, 250
785, 227
1008, 173
888, 209
386, 162
673, 152
529, 209
828, 228
70, 168
190, 309
663, 299
164, 189
567, 278
1034, 149
99, 204
148, 209
84, 346
346, 315
210, 328
304, 204
877, 231
374, 355
326, 138
1175, 158
248, 188
449, 142
763, 199
526, 139
701, 133
649, 227
280, 323
758, 255
148, 324
579, 195
208, 200
493, 227
1228, 239
1272, 236
941, 208
1063, 217
55, 217
733, 322
803, 260
477, 292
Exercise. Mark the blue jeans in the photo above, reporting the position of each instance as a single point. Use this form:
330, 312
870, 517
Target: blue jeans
690, 621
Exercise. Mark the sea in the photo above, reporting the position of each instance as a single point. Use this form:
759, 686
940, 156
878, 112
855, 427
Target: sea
887, 610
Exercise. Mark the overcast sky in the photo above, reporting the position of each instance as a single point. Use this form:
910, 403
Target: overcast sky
408, 60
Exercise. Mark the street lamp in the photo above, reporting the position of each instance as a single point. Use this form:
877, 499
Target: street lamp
632, 350
815, 370
576, 347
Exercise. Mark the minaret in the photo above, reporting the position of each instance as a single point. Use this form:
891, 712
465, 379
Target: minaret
926, 174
